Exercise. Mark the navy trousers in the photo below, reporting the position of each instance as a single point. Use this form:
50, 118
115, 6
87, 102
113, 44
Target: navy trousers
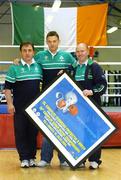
25, 136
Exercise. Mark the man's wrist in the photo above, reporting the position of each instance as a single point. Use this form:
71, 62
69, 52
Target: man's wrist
91, 92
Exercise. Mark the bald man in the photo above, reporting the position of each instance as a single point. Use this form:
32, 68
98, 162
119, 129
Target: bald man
91, 78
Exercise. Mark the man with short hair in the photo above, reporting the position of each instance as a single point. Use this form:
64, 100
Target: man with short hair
23, 81
53, 61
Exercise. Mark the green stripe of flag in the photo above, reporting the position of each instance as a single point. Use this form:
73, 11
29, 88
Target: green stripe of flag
28, 23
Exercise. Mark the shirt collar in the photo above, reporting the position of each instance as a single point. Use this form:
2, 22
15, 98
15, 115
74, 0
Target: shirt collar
53, 54
24, 63
86, 62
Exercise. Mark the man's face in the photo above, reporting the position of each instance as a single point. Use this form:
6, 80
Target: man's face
82, 53
52, 42
27, 53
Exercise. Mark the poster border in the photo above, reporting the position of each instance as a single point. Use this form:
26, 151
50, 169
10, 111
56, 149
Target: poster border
93, 105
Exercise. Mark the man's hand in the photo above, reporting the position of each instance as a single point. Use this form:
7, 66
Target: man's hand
87, 92
60, 72
9, 99
11, 109
16, 61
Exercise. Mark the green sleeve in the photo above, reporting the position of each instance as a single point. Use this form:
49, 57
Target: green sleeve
37, 57
73, 61
11, 75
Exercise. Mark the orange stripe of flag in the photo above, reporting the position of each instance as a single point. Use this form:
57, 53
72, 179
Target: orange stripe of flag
91, 24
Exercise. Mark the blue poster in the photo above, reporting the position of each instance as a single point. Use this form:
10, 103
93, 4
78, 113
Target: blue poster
70, 120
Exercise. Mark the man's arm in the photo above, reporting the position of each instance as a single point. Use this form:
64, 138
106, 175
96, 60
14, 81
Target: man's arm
73, 60
9, 99
99, 80
100, 83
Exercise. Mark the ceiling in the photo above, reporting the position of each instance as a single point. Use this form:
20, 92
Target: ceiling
114, 16
114, 19
114, 11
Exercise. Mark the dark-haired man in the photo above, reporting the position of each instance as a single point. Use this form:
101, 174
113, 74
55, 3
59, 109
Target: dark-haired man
23, 81
53, 61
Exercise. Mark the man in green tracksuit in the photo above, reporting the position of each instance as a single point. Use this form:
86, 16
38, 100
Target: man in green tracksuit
91, 78
52, 61
23, 81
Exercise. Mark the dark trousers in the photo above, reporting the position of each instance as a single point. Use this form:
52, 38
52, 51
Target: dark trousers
25, 136
47, 152
96, 156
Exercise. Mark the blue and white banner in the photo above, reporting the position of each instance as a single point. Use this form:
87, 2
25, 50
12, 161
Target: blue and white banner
74, 124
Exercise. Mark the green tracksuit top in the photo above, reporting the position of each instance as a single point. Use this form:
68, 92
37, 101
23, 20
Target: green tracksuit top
52, 64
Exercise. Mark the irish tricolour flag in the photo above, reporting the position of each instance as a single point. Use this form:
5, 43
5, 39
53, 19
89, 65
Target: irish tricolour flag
74, 25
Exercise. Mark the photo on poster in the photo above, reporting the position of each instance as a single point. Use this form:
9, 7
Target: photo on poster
74, 124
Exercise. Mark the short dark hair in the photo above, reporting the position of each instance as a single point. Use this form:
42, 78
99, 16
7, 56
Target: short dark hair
52, 33
26, 44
